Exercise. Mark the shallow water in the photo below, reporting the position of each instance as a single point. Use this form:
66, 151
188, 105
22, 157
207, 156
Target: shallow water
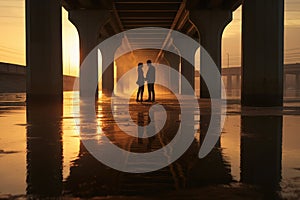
258, 155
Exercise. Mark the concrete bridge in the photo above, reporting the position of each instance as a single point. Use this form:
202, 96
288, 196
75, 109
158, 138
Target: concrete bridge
291, 73
203, 20
13, 79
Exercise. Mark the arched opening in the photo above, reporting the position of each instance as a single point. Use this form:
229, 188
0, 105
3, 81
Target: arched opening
231, 57
197, 73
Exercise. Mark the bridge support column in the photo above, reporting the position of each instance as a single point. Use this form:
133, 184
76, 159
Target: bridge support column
262, 53
187, 69
210, 24
297, 81
174, 61
108, 54
238, 82
88, 24
229, 82
44, 50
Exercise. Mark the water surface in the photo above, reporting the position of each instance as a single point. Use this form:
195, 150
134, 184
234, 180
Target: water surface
258, 155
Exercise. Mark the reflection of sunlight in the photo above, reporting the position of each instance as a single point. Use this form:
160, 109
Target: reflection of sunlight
197, 126
71, 139
99, 74
230, 143
99, 123
290, 146
13, 138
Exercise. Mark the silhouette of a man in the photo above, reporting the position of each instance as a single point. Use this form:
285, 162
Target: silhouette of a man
150, 77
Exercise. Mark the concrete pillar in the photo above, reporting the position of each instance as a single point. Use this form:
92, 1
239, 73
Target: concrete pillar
44, 50
261, 150
188, 71
297, 81
88, 24
285, 85
108, 54
210, 24
262, 53
44, 150
174, 62
186, 68
229, 82
238, 82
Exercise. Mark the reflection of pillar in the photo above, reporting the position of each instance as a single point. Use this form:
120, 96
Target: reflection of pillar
89, 177
213, 168
210, 24
204, 124
88, 24
262, 46
44, 150
44, 50
174, 61
261, 150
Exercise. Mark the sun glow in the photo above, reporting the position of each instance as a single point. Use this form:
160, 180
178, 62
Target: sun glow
70, 46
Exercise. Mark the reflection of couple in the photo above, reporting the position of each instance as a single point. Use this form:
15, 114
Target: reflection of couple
150, 78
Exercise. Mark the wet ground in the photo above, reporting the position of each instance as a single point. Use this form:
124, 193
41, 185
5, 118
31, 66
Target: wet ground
42, 156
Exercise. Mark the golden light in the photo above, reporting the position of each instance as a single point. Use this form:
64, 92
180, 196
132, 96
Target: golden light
70, 46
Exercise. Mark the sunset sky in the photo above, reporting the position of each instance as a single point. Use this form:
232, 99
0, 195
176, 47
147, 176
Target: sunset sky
12, 36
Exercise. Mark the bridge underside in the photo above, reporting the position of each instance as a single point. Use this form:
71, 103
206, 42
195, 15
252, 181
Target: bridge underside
202, 20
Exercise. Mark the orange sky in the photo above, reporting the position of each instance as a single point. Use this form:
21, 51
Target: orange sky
12, 36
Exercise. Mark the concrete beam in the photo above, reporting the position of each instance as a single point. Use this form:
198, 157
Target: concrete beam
262, 53
213, 4
87, 4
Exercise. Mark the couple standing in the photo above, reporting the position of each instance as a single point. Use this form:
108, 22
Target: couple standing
150, 78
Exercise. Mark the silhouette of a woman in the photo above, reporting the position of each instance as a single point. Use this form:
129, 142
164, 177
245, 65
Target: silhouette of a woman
140, 81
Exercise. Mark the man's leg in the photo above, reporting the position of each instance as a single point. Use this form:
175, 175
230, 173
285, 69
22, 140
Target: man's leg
153, 92
149, 91
142, 92
138, 93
